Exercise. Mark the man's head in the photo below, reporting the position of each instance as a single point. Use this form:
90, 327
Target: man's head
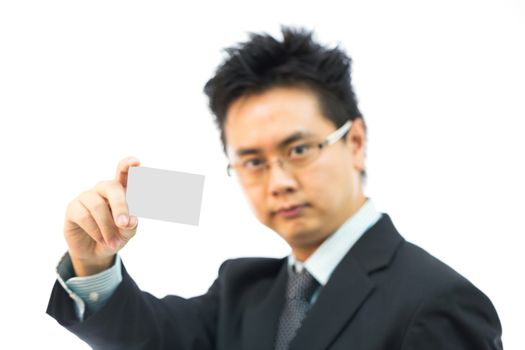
275, 103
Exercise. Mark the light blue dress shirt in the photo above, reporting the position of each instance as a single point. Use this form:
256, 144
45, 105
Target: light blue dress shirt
92, 292
89, 293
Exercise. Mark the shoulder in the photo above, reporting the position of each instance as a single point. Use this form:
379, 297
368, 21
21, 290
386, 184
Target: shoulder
249, 269
417, 263
243, 279
384, 253
445, 304
450, 309
423, 275
388, 257
433, 277
412, 274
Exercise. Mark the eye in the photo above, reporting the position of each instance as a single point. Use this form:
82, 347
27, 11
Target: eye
253, 163
300, 151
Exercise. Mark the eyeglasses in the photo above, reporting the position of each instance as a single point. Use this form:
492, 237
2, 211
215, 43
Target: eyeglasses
252, 169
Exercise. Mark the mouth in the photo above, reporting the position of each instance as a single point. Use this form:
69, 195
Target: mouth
290, 211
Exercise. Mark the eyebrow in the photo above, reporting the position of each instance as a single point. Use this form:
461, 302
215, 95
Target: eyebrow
289, 139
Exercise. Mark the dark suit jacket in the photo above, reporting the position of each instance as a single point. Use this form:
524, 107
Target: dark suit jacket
385, 294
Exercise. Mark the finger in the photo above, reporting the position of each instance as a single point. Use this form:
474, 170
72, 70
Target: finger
123, 168
81, 216
122, 236
115, 194
128, 233
99, 210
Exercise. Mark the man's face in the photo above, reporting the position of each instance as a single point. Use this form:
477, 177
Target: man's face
303, 205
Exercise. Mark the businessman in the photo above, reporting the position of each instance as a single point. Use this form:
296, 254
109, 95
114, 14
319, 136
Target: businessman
295, 140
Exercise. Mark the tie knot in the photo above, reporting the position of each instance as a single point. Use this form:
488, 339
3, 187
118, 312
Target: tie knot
301, 285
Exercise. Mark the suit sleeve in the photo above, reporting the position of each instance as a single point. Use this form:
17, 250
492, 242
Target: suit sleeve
133, 319
462, 318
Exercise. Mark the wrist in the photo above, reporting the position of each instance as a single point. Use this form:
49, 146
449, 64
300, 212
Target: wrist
88, 267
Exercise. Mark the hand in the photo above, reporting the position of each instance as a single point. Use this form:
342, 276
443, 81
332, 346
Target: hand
97, 223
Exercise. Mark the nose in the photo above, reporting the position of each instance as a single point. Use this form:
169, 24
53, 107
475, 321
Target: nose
280, 180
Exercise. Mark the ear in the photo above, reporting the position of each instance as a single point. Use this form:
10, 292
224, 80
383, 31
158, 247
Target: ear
356, 143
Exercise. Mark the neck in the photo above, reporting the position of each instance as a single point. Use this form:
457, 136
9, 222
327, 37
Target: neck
303, 254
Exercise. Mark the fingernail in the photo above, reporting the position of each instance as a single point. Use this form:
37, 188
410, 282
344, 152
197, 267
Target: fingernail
132, 221
122, 220
132, 160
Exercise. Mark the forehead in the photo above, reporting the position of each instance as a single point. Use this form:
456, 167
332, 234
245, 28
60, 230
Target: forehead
264, 120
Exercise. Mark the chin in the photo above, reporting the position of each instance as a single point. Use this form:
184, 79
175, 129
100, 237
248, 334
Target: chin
299, 236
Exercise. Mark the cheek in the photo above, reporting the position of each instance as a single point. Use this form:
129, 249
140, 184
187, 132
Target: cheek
315, 182
317, 189
255, 197
326, 182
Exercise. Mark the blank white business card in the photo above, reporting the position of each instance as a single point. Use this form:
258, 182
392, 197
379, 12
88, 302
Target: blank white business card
164, 195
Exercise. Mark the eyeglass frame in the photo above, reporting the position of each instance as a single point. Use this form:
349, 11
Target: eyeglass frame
332, 138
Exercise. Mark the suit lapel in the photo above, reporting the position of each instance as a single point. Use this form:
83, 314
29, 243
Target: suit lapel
348, 287
338, 302
261, 319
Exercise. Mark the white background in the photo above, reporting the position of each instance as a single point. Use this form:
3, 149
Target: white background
84, 84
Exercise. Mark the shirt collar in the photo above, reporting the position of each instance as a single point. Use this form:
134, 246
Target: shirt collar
329, 254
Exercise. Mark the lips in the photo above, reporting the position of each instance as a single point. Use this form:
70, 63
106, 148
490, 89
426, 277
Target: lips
290, 211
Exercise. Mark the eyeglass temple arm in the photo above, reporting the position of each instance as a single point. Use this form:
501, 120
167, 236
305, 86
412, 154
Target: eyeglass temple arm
336, 135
